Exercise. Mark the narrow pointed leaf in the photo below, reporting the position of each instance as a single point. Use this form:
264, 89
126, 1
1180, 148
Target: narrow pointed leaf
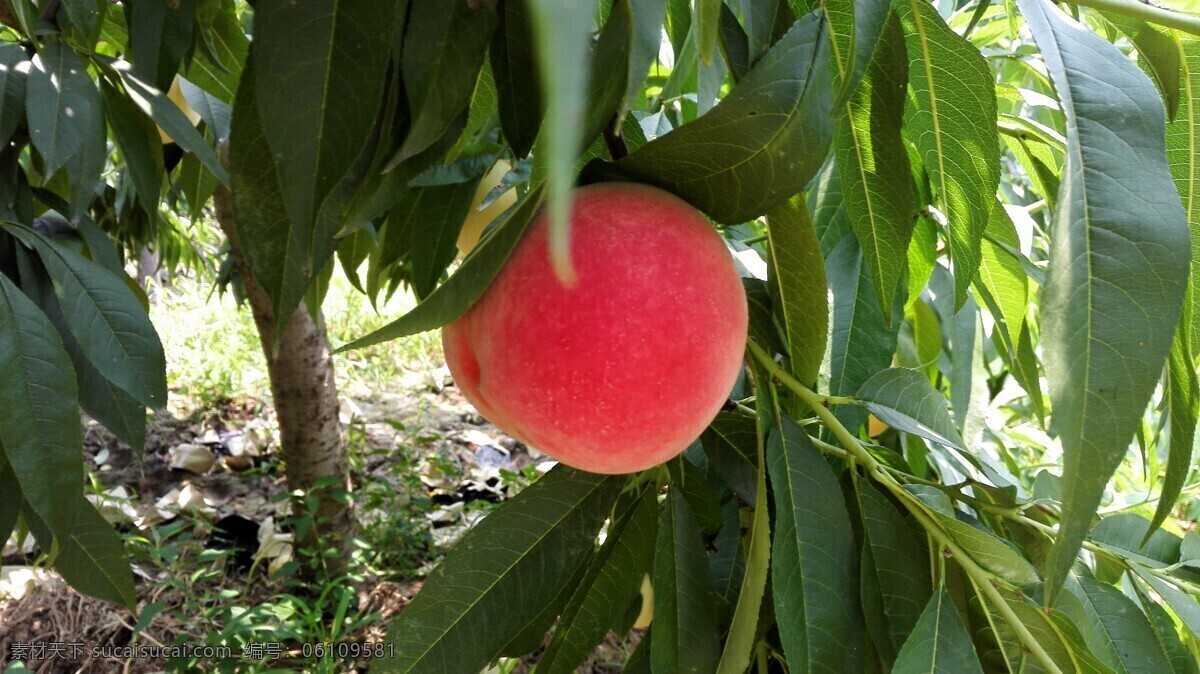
560, 43
167, 115
874, 166
939, 643
744, 630
160, 35
284, 258
800, 276
780, 114
1002, 280
444, 46
1183, 156
898, 572
854, 29
1167, 635
106, 318
685, 620
861, 343
92, 556
218, 69
1118, 632
1118, 263
814, 558
613, 577
141, 148
952, 125
60, 98
319, 72
498, 578
40, 428
645, 39
452, 299
105, 402
1183, 405
12, 89
904, 399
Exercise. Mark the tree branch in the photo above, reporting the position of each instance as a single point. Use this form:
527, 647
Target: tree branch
1188, 23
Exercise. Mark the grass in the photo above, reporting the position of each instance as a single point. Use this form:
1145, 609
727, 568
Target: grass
213, 349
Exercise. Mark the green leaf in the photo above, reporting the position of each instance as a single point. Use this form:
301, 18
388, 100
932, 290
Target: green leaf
160, 36
481, 115
990, 552
92, 556
1025, 369
219, 69
498, 578
459, 292
40, 427
861, 341
876, 186
140, 145
939, 642
904, 399
827, 207
706, 24
729, 444
813, 569
1131, 533
920, 340
685, 620
1057, 635
437, 213
1158, 51
1185, 606
167, 115
895, 572
744, 630
10, 505
1002, 282
727, 554
86, 167
645, 40
1118, 264
560, 45
951, 123
1166, 634
106, 318
855, 28
12, 89
1183, 405
444, 46
105, 402
512, 62
1183, 156
613, 577
1118, 632
319, 73
284, 258
799, 273
922, 256
353, 249
780, 115
197, 184
60, 99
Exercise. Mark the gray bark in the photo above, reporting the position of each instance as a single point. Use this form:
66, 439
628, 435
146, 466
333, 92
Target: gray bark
306, 407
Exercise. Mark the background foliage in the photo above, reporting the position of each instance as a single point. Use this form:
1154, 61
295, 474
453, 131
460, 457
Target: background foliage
996, 196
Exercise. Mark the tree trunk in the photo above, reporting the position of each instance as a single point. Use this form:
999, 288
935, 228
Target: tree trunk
306, 407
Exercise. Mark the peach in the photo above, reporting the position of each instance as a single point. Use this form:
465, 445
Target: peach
623, 369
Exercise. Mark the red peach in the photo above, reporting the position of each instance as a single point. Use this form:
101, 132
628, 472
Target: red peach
625, 368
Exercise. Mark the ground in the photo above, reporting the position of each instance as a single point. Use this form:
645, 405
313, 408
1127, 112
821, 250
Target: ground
203, 508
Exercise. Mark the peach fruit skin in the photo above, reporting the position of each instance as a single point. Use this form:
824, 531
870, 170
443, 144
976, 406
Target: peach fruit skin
625, 368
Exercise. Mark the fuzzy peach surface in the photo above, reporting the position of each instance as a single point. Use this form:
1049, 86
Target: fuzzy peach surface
623, 370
